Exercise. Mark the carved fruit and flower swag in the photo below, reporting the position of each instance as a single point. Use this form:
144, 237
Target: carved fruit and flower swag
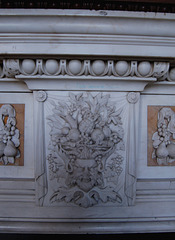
85, 131
163, 138
9, 135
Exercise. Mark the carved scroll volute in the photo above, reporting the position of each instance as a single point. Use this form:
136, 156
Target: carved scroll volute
132, 146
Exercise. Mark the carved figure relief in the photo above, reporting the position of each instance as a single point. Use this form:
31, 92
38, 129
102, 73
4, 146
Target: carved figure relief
163, 139
85, 150
9, 136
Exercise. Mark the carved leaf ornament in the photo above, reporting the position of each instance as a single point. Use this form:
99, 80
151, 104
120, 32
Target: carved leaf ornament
163, 138
85, 131
9, 135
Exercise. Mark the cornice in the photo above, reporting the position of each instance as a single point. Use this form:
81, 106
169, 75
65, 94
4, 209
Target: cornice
101, 33
104, 22
86, 39
52, 44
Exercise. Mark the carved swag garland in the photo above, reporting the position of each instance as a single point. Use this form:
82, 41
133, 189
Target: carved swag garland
9, 135
163, 138
84, 133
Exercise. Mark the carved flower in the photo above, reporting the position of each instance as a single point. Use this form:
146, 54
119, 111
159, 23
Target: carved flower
114, 138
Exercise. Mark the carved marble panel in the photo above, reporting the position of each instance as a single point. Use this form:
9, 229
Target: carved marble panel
161, 136
12, 134
86, 162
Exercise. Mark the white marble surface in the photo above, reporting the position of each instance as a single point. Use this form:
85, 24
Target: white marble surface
80, 35
60, 32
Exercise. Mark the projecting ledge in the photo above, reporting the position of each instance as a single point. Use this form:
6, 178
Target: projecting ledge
161, 87
67, 83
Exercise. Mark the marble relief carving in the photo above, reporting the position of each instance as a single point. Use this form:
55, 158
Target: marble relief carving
85, 150
96, 68
9, 135
163, 139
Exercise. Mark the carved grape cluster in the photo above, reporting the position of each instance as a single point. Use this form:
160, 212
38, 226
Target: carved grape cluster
115, 164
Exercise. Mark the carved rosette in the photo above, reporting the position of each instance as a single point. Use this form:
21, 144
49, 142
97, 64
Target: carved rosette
86, 150
41, 96
163, 138
9, 135
133, 97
